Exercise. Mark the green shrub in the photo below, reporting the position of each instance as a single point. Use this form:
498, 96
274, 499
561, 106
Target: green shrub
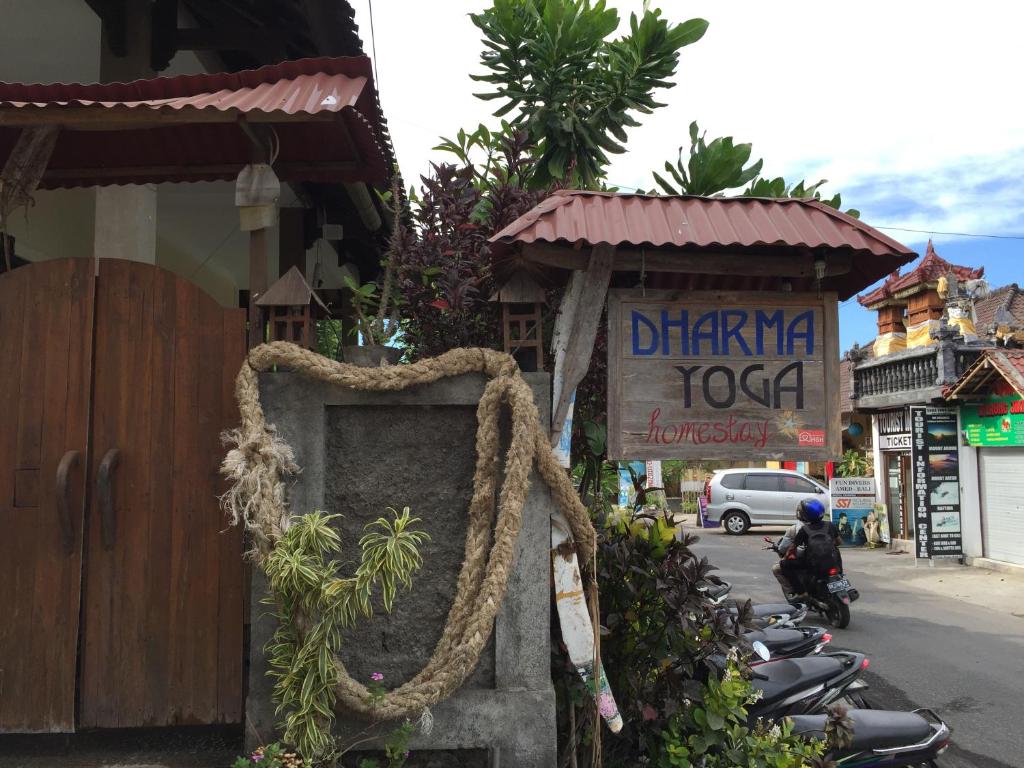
715, 734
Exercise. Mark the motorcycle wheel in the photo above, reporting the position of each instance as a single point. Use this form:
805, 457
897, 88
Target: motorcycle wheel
838, 614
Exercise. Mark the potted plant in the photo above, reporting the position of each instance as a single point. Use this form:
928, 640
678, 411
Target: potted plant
376, 307
854, 464
376, 311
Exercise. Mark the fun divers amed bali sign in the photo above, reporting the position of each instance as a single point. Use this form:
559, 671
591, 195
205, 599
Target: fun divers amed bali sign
723, 375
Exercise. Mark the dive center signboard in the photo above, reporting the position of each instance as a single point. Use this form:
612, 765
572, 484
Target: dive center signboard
998, 421
723, 375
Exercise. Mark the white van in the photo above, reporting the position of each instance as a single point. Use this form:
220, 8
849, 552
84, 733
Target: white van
741, 498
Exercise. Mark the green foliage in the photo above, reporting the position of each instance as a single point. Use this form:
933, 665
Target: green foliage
396, 748
328, 338
376, 309
596, 480
377, 306
314, 604
720, 165
854, 464
778, 187
715, 734
663, 634
675, 662
711, 169
672, 472
572, 88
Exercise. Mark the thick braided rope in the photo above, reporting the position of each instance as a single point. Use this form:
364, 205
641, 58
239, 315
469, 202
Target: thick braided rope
260, 461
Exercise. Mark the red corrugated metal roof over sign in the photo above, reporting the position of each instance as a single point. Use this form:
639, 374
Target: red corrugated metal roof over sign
739, 224
323, 112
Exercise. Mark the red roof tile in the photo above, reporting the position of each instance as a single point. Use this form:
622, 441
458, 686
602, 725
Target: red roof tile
186, 146
1006, 304
698, 223
931, 268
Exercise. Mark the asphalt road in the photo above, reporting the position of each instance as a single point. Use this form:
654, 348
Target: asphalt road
928, 648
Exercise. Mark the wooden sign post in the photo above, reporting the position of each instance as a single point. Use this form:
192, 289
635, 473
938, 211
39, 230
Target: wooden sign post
723, 375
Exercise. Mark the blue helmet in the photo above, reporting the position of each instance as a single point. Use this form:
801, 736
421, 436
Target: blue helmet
810, 510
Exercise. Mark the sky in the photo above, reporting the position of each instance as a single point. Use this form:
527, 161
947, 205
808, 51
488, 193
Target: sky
910, 109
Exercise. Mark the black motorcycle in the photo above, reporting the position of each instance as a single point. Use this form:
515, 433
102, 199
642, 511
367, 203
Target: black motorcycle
830, 594
805, 686
881, 738
787, 642
762, 615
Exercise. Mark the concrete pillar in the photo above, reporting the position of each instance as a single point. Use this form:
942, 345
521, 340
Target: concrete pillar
877, 462
126, 216
126, 223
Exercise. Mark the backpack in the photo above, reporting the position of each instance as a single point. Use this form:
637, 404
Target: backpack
821, 554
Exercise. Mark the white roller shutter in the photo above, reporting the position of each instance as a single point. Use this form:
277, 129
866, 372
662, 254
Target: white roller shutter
1002, 503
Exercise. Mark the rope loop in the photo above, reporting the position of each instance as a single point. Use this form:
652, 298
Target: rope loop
259, 463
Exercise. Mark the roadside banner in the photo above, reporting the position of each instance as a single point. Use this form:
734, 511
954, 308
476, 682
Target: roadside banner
935, 456
853, 499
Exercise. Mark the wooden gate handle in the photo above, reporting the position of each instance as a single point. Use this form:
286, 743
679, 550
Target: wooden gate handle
67, 527
104, 488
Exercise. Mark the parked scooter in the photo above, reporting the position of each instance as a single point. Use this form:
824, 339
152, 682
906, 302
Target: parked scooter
882, 738
806, 685
830, 595
788, 642
764, 614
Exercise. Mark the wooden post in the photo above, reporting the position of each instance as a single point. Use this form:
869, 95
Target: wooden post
257, 282
257, 191
576, 329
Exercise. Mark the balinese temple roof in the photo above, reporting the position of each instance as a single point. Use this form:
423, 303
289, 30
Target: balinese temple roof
925, 275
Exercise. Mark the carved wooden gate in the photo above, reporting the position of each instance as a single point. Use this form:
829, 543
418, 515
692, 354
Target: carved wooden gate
121, 589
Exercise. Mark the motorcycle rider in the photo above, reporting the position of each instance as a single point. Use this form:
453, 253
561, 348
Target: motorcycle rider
783, 549
814, 547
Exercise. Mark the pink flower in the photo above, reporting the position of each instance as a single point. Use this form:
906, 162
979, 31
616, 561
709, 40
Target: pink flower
256, 757
377, 677
650, 713
606, 705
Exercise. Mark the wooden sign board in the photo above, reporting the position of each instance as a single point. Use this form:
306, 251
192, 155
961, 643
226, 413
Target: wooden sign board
723, 375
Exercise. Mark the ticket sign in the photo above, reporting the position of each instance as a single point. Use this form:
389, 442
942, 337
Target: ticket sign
723, 375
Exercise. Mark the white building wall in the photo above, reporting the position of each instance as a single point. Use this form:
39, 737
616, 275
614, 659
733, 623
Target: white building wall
196, 233
970, 496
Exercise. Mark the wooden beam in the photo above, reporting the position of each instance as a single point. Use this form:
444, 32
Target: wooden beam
628, 259
141, 117
238, 39
576, 329
291, 234
170, 171
833, 406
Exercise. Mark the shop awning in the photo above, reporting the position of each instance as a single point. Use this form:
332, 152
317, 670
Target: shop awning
775, 229
994, 365
319, 116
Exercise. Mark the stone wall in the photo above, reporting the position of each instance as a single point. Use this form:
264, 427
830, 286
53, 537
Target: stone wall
363, 452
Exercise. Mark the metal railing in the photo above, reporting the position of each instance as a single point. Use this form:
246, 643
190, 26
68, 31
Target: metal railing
912, 375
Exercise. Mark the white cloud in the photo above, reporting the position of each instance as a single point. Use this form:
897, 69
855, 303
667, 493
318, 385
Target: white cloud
922, 94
